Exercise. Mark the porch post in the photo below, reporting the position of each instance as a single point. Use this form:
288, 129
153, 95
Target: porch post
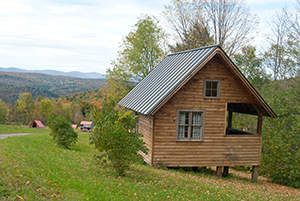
225, 171
219, 171
259, 124
229, 121
255, 173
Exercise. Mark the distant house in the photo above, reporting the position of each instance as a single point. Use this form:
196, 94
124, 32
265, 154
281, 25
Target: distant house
74, 126
36, 124
185, 107
86, 126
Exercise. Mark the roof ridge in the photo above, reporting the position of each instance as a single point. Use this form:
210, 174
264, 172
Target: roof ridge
199, 48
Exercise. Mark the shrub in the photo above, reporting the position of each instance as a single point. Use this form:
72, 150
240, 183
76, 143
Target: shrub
114, 134
62, 132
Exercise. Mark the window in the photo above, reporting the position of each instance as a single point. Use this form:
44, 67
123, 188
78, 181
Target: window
190, 125
212, 89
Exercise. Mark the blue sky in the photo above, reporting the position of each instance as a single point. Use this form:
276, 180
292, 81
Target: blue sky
83, 35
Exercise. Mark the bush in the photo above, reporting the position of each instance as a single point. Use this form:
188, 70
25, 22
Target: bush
281, 135
114, 134
62, 131
281, 150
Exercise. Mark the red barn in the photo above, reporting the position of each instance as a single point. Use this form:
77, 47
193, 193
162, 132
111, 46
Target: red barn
36, 124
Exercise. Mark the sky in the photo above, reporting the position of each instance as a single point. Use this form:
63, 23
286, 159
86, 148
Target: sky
84, 35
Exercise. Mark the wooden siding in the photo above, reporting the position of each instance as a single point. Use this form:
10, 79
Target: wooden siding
216, 149
146, 128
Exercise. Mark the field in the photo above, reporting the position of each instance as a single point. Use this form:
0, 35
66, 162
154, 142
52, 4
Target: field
32, 167
20, 129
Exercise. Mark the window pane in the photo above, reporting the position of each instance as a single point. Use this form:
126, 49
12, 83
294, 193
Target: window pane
208, 85
183, 131
186, 131
214, 93
207, 93
184, 118
215, 85
196, 132
196, 118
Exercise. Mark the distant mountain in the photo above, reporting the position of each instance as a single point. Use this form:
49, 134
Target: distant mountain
12, 84
76, 74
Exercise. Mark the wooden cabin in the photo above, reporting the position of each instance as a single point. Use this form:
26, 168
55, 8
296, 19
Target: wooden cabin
36, 124
86, 126
74, 126
185, 107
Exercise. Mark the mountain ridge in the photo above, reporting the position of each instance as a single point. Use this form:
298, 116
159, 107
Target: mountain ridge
76, 74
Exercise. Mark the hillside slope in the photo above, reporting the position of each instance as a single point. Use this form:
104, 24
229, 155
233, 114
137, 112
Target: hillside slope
12, 84
34, 168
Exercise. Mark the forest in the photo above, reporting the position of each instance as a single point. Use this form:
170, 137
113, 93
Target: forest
273, 71
12, 84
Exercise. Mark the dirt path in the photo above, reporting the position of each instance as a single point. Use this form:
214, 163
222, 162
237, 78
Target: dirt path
4, 135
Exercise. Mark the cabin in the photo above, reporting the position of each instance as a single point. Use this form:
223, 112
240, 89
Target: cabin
86, 126
36, 124
185, 107
74, 126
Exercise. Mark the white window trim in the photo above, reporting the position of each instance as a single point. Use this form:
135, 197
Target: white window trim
218, 90
189, 139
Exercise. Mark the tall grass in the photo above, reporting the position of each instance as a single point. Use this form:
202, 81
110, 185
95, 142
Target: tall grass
33, 167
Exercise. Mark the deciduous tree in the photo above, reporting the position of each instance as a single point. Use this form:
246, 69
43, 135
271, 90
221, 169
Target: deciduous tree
251, 66
189, 25
46, 109
229, 22
277, 57
141, 50
3, 111
24, 107
114, 134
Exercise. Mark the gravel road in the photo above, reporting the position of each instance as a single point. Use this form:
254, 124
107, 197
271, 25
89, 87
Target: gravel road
2, 136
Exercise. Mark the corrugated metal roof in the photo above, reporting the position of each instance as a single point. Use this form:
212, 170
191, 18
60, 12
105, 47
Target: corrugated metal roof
39, 123
170, 75
86, 123
163, 79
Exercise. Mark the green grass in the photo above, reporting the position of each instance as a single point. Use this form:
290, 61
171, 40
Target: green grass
33, 167
20, 129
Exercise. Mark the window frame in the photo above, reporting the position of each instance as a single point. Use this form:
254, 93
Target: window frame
202, 125
218, 89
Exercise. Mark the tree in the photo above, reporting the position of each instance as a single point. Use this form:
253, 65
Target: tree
114, 134
141, 50
251, 66
46, 109
62, 131
77, 114
281, 139
188, 25
3, 111
39, 98
228, 21
277, 57
36, 112
57, 106
24, 107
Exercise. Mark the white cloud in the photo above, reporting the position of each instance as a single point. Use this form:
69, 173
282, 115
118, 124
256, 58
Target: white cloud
79, 35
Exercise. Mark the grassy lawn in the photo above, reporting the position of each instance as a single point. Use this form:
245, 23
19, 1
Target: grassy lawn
20, 129
32, 167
